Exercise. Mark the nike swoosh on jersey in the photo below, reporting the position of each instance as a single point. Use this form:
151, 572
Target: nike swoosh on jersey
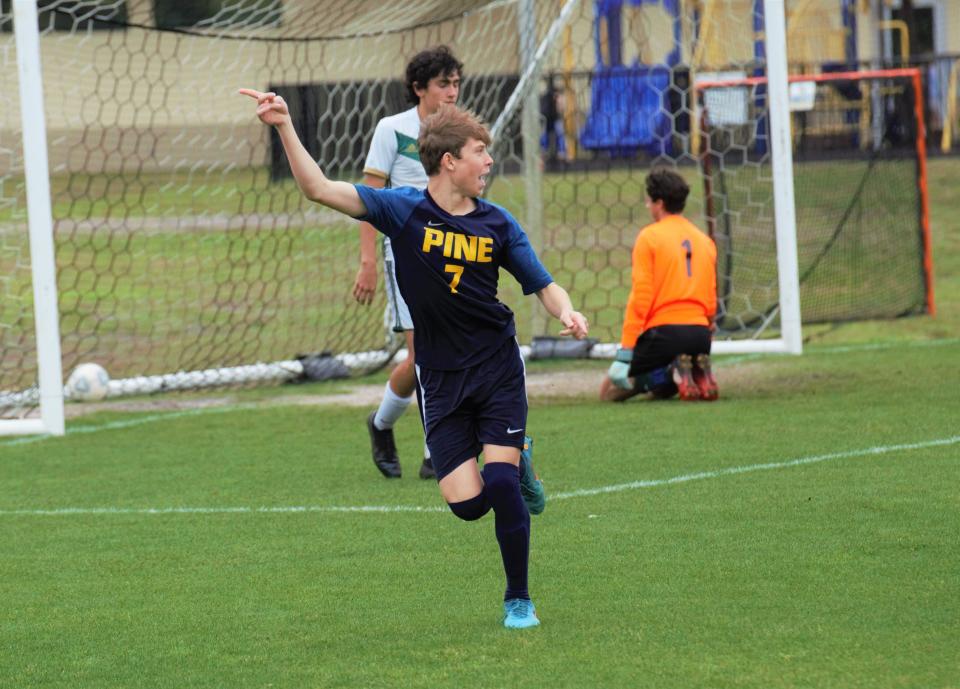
434, 224
511, 431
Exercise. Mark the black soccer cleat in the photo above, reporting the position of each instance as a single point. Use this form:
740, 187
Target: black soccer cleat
426, 469
384, 449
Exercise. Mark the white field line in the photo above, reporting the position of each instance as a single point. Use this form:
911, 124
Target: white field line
79, 429
86, 511
730, 471
583, 492
844, 349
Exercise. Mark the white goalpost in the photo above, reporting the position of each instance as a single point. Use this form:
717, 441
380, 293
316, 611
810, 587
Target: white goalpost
186, 257
50, 388
790, 340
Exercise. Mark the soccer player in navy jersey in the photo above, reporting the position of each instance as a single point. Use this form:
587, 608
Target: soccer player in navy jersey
449, 245
432, 78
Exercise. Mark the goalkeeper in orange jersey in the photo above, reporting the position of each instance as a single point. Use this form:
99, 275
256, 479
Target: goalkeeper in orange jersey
665, 343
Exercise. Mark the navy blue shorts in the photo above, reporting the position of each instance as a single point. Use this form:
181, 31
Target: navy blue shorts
463, 410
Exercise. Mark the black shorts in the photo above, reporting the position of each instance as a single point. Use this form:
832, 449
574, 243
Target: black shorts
463, 410
658, 346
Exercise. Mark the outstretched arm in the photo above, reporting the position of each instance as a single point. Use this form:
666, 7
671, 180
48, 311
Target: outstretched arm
340, 196
365, 284
556, 301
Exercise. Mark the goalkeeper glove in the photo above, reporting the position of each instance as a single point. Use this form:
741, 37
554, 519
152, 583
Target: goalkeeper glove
619, 371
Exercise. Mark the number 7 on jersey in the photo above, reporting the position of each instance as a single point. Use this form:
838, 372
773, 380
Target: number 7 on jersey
457, 273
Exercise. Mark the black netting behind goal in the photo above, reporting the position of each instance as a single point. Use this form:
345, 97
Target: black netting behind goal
859, 194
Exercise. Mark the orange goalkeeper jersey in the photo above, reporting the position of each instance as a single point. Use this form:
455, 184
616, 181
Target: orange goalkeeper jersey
674, 278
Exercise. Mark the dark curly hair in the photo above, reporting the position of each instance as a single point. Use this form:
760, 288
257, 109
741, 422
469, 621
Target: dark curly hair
667, 186
426, 65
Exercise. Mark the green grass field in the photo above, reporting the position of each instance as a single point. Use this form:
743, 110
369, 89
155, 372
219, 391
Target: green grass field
801, 532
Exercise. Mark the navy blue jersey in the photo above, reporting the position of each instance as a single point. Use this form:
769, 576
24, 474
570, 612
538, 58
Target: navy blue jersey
447, 269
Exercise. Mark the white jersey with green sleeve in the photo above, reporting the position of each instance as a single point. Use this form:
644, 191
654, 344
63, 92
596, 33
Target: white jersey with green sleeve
394, 155
395, 158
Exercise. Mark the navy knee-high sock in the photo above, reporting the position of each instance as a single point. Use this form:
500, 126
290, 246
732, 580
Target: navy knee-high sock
502, 489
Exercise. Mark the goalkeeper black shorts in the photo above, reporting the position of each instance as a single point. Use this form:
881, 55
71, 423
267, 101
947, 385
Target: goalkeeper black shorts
658, 346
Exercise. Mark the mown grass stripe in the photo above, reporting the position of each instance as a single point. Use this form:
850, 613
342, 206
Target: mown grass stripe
418, 509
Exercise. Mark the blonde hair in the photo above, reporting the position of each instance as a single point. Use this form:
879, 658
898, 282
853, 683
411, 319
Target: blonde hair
447, 131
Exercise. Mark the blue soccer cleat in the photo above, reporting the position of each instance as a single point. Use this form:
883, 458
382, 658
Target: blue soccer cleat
519, 613
531, 488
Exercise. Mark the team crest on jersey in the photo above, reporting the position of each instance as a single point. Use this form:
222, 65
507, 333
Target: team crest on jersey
407, 147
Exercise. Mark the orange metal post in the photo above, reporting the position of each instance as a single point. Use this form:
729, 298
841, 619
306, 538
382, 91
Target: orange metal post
924, 198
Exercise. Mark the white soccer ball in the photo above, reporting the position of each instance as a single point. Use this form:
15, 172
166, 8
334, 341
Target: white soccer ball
87, 383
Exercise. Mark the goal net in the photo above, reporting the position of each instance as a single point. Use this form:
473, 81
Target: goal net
862, 222
186, 256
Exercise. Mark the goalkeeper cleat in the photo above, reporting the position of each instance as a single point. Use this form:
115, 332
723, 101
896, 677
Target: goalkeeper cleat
683, 378
519, 613
531, 488
703, 376
427, 470
384, 449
